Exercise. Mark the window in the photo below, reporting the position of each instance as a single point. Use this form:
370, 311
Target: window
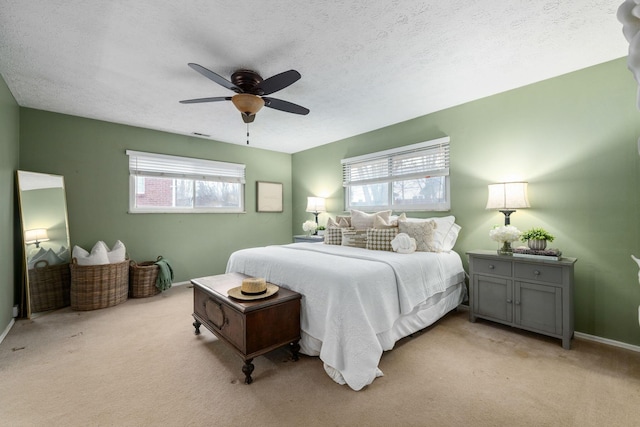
413, 177
162, 183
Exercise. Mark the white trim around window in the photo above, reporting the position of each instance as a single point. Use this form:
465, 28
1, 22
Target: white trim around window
160, 183
409, 178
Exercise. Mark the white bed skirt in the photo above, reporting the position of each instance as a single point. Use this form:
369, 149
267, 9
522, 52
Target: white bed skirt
422, 316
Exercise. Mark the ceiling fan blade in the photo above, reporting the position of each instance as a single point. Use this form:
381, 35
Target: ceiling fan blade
248, 118
278, 82
213, 99
214, 77
289, 107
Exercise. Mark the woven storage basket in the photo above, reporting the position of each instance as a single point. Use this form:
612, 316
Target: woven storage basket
142, 279
49, 286
98, 286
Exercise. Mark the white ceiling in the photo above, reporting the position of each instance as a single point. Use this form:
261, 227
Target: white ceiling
364, 64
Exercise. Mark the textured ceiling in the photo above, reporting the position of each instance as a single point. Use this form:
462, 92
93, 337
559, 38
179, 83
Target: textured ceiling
364, 64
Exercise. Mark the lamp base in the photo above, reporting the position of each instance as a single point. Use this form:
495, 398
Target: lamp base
315, 233
507, 213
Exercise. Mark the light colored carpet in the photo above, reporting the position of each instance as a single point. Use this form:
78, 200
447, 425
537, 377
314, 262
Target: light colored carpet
139, 364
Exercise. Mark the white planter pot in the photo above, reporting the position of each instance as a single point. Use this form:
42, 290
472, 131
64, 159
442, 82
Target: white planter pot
537, 245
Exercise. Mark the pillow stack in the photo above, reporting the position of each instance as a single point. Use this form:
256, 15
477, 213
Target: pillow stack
52, 258
375, 231
101, 254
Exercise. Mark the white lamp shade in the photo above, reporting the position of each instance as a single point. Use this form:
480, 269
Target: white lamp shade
35, 235
316, 204
508, 195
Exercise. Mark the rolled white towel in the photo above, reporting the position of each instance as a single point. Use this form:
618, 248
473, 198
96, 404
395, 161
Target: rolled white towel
403, 244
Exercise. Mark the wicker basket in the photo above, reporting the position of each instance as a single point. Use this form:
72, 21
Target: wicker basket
98, 286
49, 286
142, 279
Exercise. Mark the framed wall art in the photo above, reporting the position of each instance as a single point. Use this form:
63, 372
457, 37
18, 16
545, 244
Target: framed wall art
269, 196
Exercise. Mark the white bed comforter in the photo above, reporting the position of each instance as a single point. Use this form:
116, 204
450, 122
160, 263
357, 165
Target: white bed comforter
349, 296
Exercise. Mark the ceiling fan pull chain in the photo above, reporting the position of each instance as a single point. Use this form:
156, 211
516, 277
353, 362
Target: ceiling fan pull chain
247, 133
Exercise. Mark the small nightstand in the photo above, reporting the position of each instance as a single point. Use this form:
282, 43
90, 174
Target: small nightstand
526, 293
308, 239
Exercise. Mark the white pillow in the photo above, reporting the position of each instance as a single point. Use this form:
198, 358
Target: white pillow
378, 222
116, 254
422, 231
98, 255
446, 232
339, 222
362, 220
63, 253
50, 256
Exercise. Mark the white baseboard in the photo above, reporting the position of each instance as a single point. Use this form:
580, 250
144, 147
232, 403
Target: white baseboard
606, 341
181, 283
6, 330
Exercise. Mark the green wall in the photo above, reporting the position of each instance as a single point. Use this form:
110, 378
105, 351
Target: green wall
90, 154
9, 151
573, 138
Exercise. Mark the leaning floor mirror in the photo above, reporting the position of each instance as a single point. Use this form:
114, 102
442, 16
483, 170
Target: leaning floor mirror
45, 236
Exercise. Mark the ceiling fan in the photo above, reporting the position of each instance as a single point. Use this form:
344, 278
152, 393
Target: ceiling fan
250, 89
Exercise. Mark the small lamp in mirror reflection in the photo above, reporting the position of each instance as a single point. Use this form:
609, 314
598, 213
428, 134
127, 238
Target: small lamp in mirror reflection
316, 205
507, 197
36, 235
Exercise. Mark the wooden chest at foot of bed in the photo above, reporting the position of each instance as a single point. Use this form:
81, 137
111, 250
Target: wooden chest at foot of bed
251, 328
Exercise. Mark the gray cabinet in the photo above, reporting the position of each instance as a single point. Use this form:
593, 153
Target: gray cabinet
532, 294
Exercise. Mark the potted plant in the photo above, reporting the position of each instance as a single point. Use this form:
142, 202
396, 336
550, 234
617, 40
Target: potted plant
537, 238
320, 230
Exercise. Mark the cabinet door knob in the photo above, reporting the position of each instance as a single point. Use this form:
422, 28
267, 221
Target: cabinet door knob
536, 272
491, 267
517, 302
509, 301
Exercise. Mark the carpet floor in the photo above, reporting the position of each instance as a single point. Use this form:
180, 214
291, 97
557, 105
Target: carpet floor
140, 364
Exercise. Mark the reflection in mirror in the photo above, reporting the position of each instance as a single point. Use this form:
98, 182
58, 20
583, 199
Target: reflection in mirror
43, 213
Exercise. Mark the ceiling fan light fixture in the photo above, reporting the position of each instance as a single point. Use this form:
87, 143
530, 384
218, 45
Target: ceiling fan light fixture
247, 104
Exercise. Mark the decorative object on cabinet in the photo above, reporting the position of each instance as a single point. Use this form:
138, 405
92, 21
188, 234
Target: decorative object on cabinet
253, 288
505, 235
531, 294
250, 328
548, 254
537, 238
309, 227
507, 197
269, 196
316, 205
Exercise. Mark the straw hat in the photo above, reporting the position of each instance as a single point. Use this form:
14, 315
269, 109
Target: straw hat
253, 288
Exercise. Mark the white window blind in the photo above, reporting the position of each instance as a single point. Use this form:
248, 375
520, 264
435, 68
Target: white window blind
160, 183
151, 164
413, 177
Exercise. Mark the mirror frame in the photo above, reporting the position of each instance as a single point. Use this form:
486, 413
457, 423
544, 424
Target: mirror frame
26, 181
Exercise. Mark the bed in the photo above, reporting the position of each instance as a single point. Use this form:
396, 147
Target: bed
356, 303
